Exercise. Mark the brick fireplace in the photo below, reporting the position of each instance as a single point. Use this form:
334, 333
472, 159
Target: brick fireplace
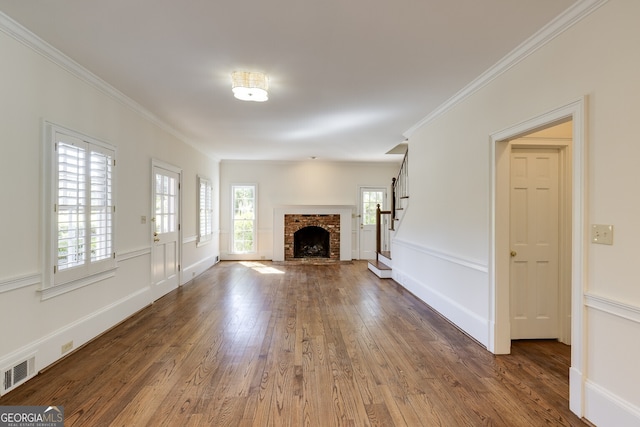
311, 236
335, 219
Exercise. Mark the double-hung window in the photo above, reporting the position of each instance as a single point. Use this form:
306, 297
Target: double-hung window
205, 210
81, 209
243, 220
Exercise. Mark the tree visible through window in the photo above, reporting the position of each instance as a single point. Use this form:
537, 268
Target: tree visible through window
83, 208
370, 201
243, 218
84, 186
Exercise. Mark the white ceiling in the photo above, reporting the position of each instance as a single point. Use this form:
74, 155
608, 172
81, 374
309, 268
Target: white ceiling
347, 77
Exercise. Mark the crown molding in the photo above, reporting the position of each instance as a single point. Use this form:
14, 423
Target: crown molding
32, 41
546, 34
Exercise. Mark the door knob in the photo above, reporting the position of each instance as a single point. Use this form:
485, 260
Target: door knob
155, 239
155, 234
513, 253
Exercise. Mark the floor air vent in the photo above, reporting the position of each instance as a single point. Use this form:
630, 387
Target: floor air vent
18, 373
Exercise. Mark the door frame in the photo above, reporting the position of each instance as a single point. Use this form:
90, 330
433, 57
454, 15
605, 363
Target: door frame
359, 213
172, 168
499, 330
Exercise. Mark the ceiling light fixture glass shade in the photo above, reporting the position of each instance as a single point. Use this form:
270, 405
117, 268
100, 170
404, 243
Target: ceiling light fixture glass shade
250, 86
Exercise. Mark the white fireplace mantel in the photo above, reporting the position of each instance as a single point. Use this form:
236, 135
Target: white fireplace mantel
345, 212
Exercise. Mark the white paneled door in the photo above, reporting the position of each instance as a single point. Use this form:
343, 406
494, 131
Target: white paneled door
534, 235
165, 257
370, 197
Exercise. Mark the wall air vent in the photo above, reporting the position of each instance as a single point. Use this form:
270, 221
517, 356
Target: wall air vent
18, 373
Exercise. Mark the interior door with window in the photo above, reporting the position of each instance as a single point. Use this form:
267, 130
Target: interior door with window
370, 198
165, 253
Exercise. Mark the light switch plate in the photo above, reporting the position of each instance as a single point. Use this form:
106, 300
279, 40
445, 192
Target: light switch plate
602, 234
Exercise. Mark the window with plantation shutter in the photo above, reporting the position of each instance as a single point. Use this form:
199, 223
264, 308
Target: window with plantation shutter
101, 221
71, 206
205, 210
82, 209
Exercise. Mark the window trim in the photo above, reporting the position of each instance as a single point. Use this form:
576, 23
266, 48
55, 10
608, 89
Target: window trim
55, 282
255, 220
203, 239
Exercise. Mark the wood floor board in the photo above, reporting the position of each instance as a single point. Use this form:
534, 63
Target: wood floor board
283, 344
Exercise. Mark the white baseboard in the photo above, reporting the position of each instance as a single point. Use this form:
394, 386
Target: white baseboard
603, 408
469, 322
575, 391
48, 349
197, 268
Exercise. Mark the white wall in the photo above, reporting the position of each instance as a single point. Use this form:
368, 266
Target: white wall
35, 88
441, 252
296, 183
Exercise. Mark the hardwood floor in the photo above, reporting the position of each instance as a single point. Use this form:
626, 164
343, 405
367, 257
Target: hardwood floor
262, 344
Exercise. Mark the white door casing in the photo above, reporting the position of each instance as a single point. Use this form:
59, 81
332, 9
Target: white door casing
574, 190
165, 229
534, 228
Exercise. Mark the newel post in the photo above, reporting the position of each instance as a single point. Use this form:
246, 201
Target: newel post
393, 201
378, 231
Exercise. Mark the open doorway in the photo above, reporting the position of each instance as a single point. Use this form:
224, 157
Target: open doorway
571, 247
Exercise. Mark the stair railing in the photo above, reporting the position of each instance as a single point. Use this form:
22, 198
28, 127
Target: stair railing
399, 190
400, 187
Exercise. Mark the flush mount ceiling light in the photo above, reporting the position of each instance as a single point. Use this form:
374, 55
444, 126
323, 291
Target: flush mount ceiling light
249, 86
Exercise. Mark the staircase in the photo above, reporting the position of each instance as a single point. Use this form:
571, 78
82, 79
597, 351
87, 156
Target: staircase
382, 265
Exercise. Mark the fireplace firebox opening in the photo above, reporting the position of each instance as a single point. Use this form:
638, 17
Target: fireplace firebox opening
312, 237
311, 242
